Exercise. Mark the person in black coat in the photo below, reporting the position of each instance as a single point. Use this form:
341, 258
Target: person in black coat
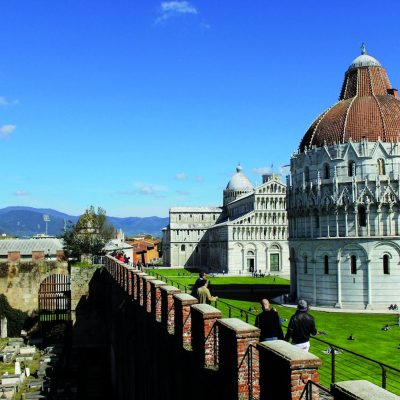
269, 322
301, 326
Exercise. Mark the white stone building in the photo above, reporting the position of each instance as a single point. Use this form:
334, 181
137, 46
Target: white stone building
343, 197
247, 234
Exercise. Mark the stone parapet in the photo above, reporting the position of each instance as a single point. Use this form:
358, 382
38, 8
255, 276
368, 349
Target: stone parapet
238, 358
183, 319
167, 307
147, 292
360, 390
156, 298
285, 370
204, 334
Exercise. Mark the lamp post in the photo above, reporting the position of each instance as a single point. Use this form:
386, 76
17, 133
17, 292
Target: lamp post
46, 219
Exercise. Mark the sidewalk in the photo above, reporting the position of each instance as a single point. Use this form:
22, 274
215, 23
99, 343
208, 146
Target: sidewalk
346, 310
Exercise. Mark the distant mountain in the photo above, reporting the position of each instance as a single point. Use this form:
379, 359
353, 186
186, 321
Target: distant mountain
27, 221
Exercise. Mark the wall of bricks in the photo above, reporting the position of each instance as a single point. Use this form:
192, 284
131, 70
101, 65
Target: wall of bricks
174, 348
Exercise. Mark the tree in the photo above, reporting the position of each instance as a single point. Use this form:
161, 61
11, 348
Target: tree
89, 235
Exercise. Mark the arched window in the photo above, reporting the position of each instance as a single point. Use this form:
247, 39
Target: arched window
362, 216
326, 265
183, 247
307, 174
327, 171
351, 168
380, 166
305, 265
353, 265
386, 264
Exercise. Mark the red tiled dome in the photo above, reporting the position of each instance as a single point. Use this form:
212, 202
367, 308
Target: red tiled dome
367, 108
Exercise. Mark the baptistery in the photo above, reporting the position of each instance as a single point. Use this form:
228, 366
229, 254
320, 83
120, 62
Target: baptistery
343, 196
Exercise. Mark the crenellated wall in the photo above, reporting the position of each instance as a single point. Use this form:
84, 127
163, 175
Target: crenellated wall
163, 345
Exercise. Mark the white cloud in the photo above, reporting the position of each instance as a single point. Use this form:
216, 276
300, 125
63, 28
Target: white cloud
149, 189
182, 193
199, 179
170, 9
262, 170
146, 190
6, 131
21, 193
180, 176
4, 102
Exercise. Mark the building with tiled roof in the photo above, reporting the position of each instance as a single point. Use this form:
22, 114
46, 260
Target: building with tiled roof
247, 234
343, 196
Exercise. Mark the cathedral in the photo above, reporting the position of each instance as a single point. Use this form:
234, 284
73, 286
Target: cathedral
246, 235
343, 196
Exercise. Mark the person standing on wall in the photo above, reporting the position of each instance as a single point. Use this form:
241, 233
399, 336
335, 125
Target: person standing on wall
301, 326
269, 322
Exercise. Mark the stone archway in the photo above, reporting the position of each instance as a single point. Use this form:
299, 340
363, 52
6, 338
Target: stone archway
250, 261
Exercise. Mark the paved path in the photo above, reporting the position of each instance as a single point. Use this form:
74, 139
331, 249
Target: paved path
346, 310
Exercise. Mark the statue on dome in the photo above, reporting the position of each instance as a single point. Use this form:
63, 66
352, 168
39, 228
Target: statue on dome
363, 49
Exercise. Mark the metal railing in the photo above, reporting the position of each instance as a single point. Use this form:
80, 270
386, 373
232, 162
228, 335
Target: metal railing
247, 373
181, 286
313, 391
340, 363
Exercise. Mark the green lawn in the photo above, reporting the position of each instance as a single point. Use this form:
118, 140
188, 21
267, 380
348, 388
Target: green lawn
185, 277
370, 340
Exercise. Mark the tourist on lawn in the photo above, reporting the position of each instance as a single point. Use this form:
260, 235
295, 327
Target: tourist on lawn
269, 322
301, 326
198, 283
204, 295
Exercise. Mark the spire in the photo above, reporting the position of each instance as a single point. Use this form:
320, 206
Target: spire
363, 49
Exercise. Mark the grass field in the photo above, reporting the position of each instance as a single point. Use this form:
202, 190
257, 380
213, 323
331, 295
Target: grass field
186, 277
370, 340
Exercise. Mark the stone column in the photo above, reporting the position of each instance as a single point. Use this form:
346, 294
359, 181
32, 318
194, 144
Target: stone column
328, 234
238, 358
368, 222
378, 214
337, 222
204, 335
369, 284
147, 292
167, 307
156, 298
339, 284
183, 320
355, 222
285, 370
360, 389
314, 267
346, 227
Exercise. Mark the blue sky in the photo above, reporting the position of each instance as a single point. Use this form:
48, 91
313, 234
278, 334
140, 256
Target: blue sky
140, 105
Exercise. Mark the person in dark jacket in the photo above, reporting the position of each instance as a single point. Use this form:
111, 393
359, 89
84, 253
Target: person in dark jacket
301, 326
199, 282
269, 322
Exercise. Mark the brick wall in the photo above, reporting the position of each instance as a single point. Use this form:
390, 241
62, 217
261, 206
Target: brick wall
202, 355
